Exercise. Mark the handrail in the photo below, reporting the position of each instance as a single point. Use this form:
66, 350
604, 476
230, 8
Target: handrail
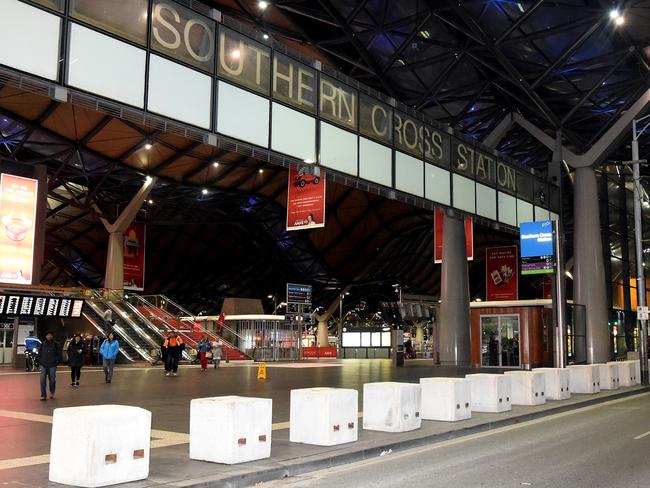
124, 336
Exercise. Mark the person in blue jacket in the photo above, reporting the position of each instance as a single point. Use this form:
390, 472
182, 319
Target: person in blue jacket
109, 349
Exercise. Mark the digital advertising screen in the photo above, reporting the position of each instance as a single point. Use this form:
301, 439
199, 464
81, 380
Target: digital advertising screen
537, 248
18, 197
77, 309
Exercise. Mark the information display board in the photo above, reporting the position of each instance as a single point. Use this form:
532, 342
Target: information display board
35, 306
299, 294
537, 242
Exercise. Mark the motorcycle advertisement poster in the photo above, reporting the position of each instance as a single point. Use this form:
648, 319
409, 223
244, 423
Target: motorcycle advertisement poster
306, 198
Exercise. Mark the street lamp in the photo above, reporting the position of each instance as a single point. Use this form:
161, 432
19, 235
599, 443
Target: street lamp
340, 331
638, 238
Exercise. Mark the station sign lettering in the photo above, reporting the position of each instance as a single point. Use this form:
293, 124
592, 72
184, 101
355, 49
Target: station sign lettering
338, 102
375, 119
483, 166
294, 83
183, 34
244, 61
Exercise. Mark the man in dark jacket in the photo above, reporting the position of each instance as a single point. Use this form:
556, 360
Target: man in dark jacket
49, 356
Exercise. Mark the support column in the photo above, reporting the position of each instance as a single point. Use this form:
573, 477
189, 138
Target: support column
589, 272
114, 277
454, 296
419, 336
322, 334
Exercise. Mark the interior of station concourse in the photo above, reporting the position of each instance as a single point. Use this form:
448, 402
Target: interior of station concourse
381, 188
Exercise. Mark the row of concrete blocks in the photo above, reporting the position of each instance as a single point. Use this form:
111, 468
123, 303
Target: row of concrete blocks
108, 444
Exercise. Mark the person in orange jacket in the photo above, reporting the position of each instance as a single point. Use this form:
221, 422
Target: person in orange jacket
172, 349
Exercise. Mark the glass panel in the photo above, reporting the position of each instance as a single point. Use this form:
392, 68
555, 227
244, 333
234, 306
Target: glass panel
244, 61
618, 297
386, 339
105, 66
183, 34
408, 174
617, 270
293, 133
53, 4
612, 192
509, 328
338, 102
507, 209
294, 83
614, 218
408, 134
525, 185
437, 184
125, 18
464, 193
243, 115
375, 162
375, 119
338, 149
29, 38
490, 341
437, 149
486, 201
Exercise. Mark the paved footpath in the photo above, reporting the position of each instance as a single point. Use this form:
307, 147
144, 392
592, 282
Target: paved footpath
25, 422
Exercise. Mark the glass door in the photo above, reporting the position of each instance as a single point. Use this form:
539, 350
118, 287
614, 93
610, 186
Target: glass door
6, 346
500, 341
490, 350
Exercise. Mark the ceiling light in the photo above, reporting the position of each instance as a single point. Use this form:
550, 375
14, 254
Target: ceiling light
265, 36
262, 5
150, 202
148, 145
204, 191
619, 20
614, 14
147, 180
215, 164
235, 53
309, 161
261, 170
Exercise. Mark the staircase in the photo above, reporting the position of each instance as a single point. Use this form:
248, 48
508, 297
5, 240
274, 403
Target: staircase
166, 315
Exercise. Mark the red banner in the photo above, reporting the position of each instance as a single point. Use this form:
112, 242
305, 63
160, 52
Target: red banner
17, 215
318, 352
134, 245
501, 274
438, 217
306, 198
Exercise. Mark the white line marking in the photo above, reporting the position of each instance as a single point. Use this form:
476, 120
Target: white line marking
642, 436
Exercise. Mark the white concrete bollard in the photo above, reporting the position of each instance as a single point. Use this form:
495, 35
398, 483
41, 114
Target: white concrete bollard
447, 399
584, 378
230, 429
323, 416
636, 368
490, 392
100, 445
609, 376
625, 373
527, 387
391, 407
556, 382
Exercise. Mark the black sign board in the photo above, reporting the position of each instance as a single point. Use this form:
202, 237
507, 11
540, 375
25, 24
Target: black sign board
299, 294
35, 306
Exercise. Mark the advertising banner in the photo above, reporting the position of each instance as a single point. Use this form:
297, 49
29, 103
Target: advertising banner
134, 245
17, 215
501, 274
437, 235
306, 198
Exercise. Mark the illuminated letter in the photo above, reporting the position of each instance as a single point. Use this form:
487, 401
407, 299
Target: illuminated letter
239, 59
258, 63
190, 49
157, 15
324, 97
380, 133
288, 78
303, 86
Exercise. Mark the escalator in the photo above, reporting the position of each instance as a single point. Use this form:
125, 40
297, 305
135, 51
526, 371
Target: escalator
136, 342
168, 316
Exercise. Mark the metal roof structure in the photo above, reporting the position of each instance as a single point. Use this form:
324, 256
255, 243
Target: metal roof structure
467, 64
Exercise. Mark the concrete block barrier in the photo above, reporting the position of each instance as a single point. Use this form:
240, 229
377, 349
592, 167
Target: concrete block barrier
527, 387
609, 379
324, 416
584, 378
636, 367
391, 407
446, 399
100, 445
627, 372
230, 429
556, 383
490, 392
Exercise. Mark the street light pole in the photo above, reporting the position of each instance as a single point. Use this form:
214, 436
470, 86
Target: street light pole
638, 238
340, 331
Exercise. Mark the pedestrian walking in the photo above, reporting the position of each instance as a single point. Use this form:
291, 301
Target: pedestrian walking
49, 354
76, 354
172, 348
109, 349
204, 347
217, 348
